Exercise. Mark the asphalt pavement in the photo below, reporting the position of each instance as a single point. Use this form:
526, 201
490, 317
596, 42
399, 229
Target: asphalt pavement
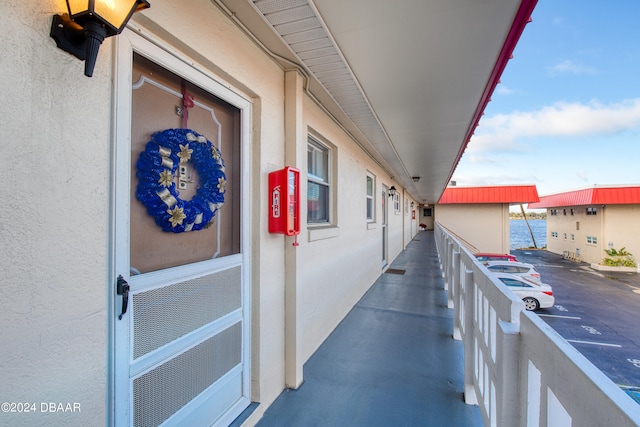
595, 311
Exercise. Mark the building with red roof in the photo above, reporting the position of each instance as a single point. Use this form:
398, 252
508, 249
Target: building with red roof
480, 215
584, 223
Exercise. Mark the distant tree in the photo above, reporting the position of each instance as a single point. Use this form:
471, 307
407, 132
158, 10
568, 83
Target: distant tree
530, 215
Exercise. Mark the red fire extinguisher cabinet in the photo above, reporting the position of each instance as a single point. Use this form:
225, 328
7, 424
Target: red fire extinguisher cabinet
284, 196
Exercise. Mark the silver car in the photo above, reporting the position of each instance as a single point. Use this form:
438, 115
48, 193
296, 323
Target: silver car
533, 295
521, 269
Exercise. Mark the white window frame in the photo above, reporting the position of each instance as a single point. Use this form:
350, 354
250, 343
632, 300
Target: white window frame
370, 197
396, 203
328, 151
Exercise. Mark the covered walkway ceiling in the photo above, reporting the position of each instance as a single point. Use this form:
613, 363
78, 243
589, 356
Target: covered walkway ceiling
408, 79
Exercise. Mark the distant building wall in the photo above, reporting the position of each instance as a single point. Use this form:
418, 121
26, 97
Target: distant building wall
428, 218
484, 227
572, 229
622, 228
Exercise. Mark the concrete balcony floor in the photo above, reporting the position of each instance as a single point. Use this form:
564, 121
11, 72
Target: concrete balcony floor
392, 361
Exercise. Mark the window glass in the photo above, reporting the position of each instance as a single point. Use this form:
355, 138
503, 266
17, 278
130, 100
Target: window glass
396, 202
511, 282
509, 269
369, 197
318, 188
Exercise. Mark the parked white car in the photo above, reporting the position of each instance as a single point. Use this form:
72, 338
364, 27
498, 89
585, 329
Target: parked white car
522, 269
534, 295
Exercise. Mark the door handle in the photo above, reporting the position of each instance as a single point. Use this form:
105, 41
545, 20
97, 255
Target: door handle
122, 288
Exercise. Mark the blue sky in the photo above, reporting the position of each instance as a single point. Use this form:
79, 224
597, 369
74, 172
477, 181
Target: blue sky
566, 114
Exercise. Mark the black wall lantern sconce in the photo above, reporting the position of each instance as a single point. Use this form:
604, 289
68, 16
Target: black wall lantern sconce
88, 23
392, 191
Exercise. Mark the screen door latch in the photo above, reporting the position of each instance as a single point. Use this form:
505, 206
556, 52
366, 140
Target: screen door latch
122, 288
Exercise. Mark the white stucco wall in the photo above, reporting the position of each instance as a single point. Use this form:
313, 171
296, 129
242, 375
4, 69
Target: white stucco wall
55, 190
622, 229
483, 227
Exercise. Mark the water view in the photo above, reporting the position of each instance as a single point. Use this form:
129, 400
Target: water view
521, 237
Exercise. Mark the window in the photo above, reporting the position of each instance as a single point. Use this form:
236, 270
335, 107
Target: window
318, 186
510, 269
577, 225
554, 212
371, 184
426, 212
554, 234
592, 211
564, 212
572, 211
396, 202
592, 240
573, 237
565, 236
514, 283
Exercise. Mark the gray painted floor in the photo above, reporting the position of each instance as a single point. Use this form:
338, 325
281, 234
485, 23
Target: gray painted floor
391, 362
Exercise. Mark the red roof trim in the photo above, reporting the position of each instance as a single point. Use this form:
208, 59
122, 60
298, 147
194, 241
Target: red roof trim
491, 194
624, 195
523, 16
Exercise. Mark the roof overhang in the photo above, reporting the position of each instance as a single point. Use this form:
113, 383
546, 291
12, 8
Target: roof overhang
610, 195
505, 194
408, 80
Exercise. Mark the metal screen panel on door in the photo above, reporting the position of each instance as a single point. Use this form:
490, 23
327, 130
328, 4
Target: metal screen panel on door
165, 314
162, 391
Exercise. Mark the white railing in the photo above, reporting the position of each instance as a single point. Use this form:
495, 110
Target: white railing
517, 369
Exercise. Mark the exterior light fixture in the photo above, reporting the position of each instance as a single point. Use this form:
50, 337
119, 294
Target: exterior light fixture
412, 205
415, 178
82, 30
392, 191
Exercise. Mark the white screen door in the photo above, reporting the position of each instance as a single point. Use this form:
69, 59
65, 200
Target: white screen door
181, 349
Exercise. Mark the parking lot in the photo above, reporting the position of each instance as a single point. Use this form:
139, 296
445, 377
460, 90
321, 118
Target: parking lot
597, 312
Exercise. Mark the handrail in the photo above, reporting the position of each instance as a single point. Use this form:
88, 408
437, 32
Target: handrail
517, 369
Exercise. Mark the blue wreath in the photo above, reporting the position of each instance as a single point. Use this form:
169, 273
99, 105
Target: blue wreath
157, 165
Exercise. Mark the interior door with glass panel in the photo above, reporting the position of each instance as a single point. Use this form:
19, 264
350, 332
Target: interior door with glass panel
181, 345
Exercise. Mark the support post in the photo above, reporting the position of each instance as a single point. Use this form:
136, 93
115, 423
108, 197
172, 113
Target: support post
454, 296
295, 154
470, 396
507, 357
455, 279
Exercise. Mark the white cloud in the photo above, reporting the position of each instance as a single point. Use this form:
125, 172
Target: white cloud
508, 132
569, 67
503, 90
